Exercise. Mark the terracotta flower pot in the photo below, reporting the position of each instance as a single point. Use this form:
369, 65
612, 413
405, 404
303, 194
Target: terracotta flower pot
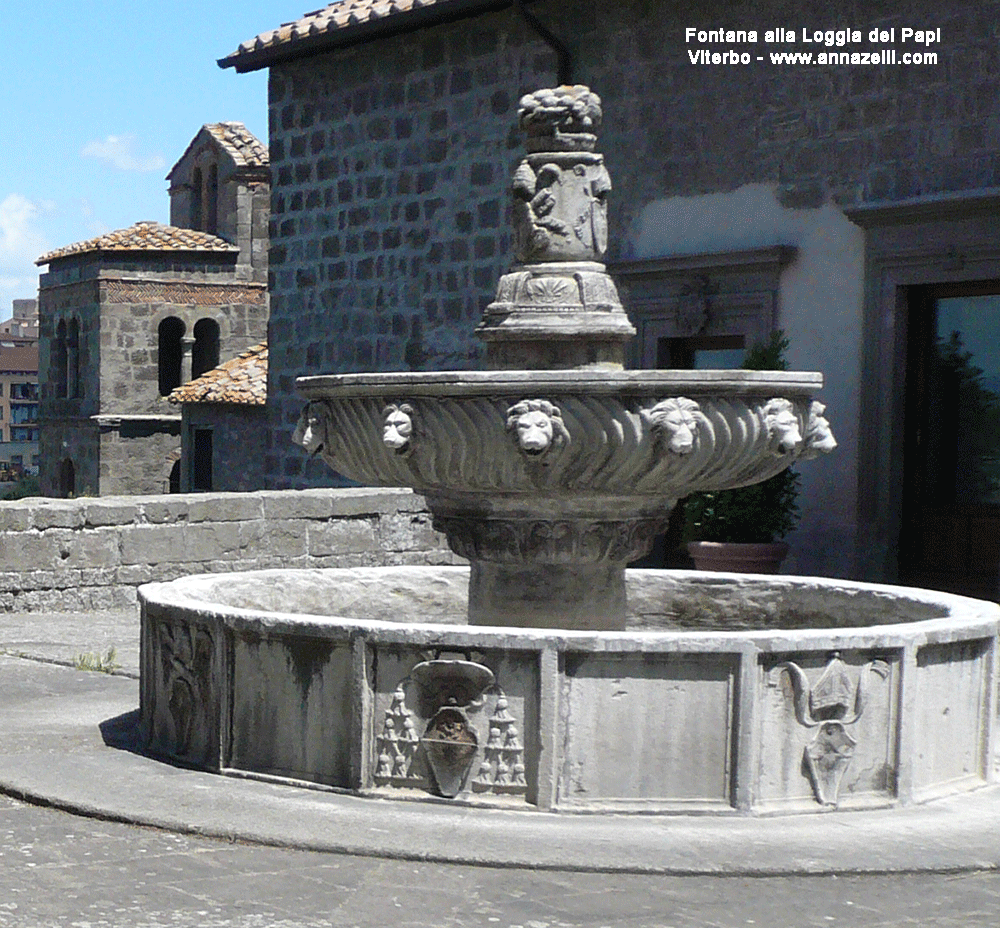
737, 557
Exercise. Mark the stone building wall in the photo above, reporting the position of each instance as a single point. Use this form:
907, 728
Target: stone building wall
132, 310
119, 305
237, 437
390, 166
68, 555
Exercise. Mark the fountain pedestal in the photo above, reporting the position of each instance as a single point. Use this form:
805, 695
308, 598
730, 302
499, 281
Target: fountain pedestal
565, 572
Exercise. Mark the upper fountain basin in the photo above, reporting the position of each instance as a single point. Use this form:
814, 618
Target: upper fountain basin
659, 435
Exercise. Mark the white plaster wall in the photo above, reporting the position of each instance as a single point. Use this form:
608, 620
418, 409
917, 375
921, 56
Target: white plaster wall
820, 309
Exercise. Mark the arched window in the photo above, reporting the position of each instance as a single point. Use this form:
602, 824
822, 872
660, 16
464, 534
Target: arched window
67, 479
58, 360
196, 199
171, 353
205, 354
212, 200
73, 359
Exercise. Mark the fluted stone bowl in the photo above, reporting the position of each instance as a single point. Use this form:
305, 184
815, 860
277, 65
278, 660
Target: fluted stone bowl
550, 482
652, 436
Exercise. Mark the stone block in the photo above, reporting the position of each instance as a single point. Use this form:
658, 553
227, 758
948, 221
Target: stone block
155, 544
359, 501
14, 517
412, 531
86, 549
28, 550
649, 728
341, 536
57, 513
110, 511
166, 508
225, 507
274, 539
293, 724
135, 575
208, 541
296, 504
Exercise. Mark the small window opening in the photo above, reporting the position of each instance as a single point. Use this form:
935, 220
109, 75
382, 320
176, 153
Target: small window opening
171, 353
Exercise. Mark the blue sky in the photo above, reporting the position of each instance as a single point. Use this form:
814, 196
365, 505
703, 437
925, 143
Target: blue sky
99, 100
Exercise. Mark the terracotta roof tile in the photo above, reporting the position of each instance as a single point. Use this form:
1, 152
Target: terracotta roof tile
144, 236
247, 150
345, 16
243, 381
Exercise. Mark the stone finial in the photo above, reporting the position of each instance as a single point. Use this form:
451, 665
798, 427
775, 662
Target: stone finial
560, 119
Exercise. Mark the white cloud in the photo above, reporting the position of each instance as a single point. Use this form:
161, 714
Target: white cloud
119, 151
21, 241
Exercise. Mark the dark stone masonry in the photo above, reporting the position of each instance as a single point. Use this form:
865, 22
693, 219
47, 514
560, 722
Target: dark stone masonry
391, 159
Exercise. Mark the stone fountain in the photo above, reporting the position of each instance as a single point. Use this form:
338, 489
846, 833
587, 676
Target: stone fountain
556, 467
546, 674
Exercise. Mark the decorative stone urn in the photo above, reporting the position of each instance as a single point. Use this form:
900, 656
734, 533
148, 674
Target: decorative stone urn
551, 480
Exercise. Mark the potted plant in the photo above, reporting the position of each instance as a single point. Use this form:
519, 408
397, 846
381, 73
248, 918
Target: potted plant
741, 529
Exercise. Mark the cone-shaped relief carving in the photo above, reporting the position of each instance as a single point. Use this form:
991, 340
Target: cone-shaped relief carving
502, 767
397, 744
832, 703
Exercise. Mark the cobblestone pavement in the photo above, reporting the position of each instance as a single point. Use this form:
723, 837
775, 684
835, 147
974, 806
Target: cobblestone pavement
61, 870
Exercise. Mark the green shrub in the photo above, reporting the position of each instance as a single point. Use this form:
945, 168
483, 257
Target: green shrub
760, 513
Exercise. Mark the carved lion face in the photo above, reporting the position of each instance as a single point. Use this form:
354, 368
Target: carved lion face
782, 425
534, 432
398, 428
675, 420
310, 432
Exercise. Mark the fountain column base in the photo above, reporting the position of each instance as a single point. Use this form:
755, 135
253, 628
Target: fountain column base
588, 597
532, 571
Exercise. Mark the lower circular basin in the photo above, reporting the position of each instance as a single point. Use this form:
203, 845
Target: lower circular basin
725, 693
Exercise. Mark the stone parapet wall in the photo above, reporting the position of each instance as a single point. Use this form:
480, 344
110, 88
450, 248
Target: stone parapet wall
64, 555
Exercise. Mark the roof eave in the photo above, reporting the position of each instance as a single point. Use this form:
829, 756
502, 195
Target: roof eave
232, 251
367, 31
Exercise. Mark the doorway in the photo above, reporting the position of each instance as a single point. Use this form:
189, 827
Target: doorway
950, 530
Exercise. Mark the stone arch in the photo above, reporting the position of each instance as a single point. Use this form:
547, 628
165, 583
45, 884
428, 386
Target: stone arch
67, 478
57, 359
170, 335
73, 385
205, 351
197, 217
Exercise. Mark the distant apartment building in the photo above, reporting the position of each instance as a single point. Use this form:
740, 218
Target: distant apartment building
18, 410
22, 327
